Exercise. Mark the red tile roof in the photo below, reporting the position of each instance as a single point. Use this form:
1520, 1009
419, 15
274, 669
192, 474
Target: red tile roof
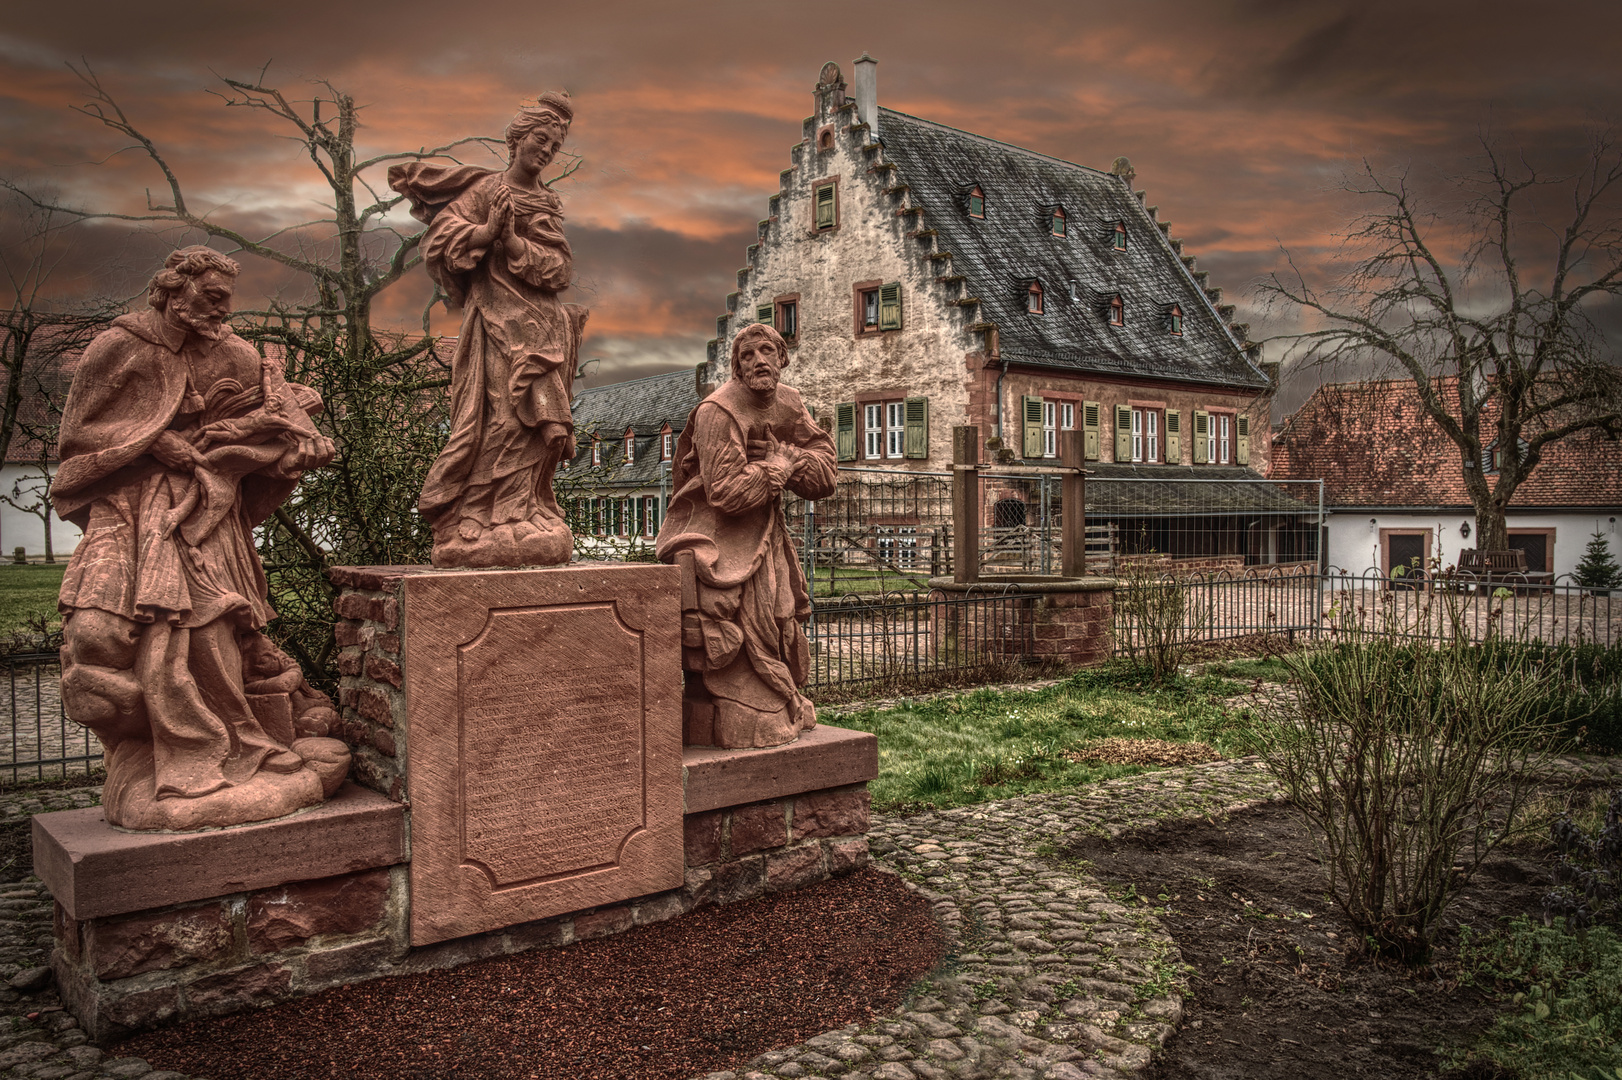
1373, 445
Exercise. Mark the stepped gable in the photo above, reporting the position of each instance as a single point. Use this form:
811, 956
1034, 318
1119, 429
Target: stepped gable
1000, 254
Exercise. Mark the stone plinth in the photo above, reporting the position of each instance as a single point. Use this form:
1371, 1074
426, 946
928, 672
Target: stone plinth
93, 869
1071, 619
129, 968
539, 715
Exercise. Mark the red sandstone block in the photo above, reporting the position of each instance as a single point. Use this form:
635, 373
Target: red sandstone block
383, 741
156, 941
824, 757
388, 643
65, 928
232, 991
1047, 632
794, 867
756, 828
372, 578
702, 837
294, 913
847, 855
842, 812
347, 633
140, 1009
373, 705
357, 960
612, 920
349, 662
352, 606
383, 670
387, 612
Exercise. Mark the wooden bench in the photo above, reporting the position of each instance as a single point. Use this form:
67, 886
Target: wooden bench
1507, 566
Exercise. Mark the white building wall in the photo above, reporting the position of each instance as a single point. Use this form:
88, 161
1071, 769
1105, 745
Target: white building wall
18, 528
1354, 544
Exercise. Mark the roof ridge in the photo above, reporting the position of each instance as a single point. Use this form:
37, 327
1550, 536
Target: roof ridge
994, 142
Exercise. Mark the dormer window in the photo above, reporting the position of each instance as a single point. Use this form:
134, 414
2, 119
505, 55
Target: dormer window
1033, 298
667, 444
1174, 320
977, 202
1117, 312
596, 450
630, 447
1120, 236
1056, 225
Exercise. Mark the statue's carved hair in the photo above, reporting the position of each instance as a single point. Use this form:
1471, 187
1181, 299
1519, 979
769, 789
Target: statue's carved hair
183, 263
750, 333
554, 106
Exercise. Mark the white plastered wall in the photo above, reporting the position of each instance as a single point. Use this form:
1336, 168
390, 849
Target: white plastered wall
1354, 545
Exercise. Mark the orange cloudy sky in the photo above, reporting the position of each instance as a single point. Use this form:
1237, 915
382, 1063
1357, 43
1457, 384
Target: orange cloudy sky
1240, 118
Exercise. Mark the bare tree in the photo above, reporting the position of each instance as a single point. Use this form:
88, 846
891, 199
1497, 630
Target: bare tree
39, 425
380, 389
1502, 341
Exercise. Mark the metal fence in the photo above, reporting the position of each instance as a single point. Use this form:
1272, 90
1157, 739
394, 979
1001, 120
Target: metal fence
1292, 601
43, 743
870, 642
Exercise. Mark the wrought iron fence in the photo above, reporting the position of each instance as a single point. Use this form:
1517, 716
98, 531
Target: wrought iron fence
869, 642
43, 743
1229, 604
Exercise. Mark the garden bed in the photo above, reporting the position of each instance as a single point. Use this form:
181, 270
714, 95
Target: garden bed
1280, 989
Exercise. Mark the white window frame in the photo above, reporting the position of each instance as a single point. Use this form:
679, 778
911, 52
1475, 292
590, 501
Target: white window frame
1067, 416
1050, 437
630, 449
627, 515
596, 451
667, 446
1223, 441
1137, 435
873, 430
895, 429
649, 505
1211, 439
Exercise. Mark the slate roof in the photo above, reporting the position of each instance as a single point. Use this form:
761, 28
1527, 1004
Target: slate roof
645, 405
1157, 491
1000, 254
1374, 447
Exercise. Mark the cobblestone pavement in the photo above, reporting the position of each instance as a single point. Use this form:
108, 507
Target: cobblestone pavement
1052, 978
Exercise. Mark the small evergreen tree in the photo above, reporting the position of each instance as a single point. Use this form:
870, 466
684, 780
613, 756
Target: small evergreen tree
1598, 568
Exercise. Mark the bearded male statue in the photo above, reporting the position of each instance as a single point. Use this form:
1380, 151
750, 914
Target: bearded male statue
744, 645
177, 440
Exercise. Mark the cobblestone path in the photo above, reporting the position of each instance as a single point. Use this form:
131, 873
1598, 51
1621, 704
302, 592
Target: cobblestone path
1052, 978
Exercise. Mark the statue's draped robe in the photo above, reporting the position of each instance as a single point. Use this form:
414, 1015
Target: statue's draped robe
514, 359
727, 511
170, 551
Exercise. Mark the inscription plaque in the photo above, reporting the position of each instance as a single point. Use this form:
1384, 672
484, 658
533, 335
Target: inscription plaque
544, 742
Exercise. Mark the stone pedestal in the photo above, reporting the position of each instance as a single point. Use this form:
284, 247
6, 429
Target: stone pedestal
518, 736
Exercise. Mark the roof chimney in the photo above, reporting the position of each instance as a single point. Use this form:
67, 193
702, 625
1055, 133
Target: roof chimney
867, 94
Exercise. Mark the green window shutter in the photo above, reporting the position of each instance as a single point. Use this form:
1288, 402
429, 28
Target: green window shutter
1243, 426
825, 207
845, 430
1089, 429
1174, 437
890, 306
1202, 430
1123, 433
1031, 408
765, 313
917, 436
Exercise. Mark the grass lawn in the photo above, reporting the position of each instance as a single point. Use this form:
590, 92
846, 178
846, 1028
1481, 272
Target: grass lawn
27, 593
989, 744
837, 582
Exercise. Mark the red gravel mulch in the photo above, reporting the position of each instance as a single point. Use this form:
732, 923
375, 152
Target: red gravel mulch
700, 993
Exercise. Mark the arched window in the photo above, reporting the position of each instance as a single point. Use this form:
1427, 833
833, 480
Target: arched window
1174, 320
1057, 224
977, 202
1033, 298
1117, 312
1120, 236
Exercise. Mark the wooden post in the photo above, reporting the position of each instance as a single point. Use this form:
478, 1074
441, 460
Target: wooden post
965, 505
1072, 507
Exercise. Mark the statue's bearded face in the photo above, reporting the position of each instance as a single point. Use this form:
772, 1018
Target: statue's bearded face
203, 304
760, 363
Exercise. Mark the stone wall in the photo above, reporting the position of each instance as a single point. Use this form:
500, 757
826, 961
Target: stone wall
371, 698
